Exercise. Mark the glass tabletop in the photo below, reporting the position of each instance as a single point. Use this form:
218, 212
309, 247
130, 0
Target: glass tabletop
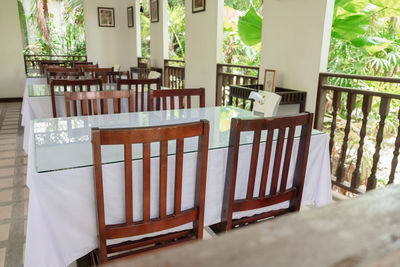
39, 90
64, 143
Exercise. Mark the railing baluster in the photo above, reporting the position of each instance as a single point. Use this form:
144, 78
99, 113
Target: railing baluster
351, 99
336, 102
366, 109
395, 153
383, 112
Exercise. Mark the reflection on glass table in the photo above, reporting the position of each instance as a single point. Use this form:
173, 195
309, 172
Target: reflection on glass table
63, 143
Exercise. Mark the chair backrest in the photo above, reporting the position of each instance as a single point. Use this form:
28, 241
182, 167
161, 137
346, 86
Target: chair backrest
89, 101
113, 76
101, 73
264, 196
75, 85
184, 96
64, 75
141, 89
87, 67
146, 136
81, 63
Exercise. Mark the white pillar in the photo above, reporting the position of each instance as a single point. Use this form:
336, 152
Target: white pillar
204, 36
159, 36
134, 37
295, 42
12, 72
110, 45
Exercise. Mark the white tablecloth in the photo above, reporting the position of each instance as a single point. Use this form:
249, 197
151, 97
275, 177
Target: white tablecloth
62, 216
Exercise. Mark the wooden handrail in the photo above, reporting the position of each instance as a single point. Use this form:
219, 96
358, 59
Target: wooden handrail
239, 66
361, 77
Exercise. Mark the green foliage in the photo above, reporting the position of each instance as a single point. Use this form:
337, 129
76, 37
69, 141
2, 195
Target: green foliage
65, 38
365, 41
249, 27
176, 29
242, 32
22, 22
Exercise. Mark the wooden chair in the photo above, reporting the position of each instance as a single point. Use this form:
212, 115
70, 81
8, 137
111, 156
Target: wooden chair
274, 195
139, 88
87, 67
90, 100
76, 86
162, 95
64, 75
164, 221
113, 76
101, 73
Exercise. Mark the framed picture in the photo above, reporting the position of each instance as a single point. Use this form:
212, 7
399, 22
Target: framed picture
106, 17
130, 17
198, 6
270, 80
154, 11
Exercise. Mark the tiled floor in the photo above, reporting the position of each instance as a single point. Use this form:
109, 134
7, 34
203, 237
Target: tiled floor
13, 191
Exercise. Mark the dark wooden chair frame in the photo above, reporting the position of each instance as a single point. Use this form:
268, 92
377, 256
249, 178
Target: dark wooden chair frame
293, 194
89, 99
63, 74
146, 136
162, 95
133, 86
74, 85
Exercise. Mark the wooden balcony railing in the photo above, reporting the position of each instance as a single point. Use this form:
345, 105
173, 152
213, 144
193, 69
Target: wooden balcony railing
364, 131
228, 74
174, 73
33, 61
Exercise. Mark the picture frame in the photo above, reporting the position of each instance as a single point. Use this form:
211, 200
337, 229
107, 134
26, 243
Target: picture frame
130, 17
154, 11
106, 16
198, 6
270, 80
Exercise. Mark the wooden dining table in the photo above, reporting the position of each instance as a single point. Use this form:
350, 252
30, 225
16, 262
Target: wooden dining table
62, 215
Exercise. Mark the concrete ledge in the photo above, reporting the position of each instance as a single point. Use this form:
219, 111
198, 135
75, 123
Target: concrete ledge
364, 231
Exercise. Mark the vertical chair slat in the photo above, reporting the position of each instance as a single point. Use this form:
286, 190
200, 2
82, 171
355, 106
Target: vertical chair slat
340, 171
105, 106
146, 182
171, 102
189, 102
253, 164
267, 159
67, 104
395, 153
178, 175
278, 159
366, 109
128, 184
288, 156
95, 107
180, 101
163, 178
85, 107
383, 112
142, 97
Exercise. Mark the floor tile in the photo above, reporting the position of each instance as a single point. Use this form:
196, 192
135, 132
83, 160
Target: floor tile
6, 172
6, 196
7, 182
5, 212
8, 154
2, 256
4, 231
7, 162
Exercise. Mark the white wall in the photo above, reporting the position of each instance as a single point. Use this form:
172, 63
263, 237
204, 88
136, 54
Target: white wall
204, 35
111, 45
159, 36
295, 42
12, 72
